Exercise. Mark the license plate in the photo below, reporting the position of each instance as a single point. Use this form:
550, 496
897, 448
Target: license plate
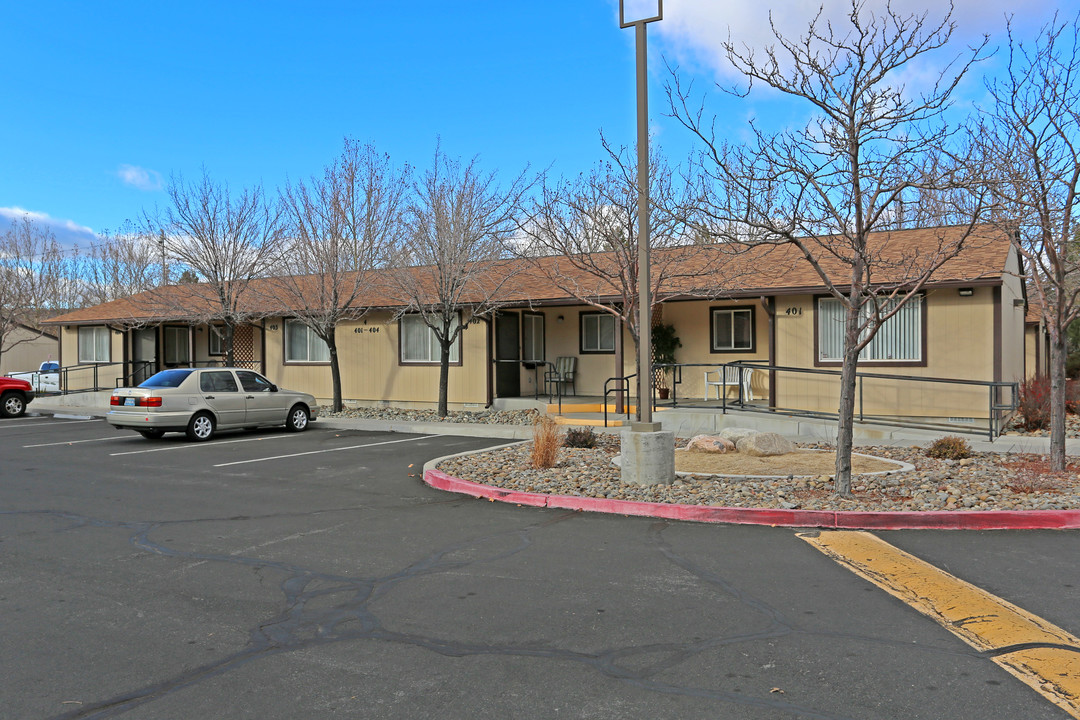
129, 402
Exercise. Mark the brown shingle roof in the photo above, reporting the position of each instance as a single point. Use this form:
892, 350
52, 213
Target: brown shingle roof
728, 270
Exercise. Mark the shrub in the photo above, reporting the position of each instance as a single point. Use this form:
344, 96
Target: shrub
583, 437
546, 441
949, 447
1034, 402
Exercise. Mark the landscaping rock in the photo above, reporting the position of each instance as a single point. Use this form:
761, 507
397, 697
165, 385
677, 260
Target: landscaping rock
765, 444
736, 434
710, 444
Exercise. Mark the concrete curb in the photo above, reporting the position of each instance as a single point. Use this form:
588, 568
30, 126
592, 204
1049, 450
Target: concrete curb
831, 519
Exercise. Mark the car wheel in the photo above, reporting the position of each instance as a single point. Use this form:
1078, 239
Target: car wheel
152, 434
201, 427
297, 419
12, 405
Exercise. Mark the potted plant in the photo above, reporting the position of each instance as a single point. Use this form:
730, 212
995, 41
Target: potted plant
664, 344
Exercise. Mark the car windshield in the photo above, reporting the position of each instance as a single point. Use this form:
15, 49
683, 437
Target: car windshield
166, 379
50, 367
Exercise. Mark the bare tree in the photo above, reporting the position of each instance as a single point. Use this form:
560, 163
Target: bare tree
1032, 135
583, 236
120, 264
871, 147
342, 228
457, 223
226, 240
34, 270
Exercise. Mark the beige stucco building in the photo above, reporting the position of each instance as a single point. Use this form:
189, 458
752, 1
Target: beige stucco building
967, 324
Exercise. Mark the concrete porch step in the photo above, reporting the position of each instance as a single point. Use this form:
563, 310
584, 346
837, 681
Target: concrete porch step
590, 419
587, 407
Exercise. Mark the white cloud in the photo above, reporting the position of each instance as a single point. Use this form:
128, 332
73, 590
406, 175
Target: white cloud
693, 30
68, 232
139, 178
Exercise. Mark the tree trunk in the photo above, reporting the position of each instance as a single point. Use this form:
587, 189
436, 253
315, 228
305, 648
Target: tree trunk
1058, 354
845, 429
228, 332
444, 375
335, 369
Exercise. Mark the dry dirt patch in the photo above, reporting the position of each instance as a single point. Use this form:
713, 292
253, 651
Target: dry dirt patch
796, 463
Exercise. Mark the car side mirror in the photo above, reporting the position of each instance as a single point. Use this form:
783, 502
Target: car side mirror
273, 388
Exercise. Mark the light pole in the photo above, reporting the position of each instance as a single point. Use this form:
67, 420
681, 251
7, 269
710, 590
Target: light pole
645, 423
648, 453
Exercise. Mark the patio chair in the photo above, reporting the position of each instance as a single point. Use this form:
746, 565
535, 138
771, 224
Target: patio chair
730, 377
563, 373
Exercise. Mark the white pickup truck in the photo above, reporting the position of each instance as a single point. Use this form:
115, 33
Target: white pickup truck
45, 380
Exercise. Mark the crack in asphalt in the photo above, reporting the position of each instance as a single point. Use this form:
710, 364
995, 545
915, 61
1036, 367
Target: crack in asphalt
300, 626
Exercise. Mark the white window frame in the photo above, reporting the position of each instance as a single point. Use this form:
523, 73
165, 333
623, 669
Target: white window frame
431, 353
731, 347
898, 340
312, 342
532, 337
97, 345
215, 336
592, 338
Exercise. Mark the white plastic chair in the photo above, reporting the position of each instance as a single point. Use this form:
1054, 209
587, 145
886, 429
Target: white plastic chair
730, 377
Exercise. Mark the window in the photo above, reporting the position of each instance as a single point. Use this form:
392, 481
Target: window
217, 381
732, 330
532, 337
166, 379
418, 341
303, 345
898, 340
254, 382
597, 333
94, 344
214, 340
176, 346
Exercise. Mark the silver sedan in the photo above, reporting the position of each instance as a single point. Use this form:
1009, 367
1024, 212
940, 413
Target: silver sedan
201, 401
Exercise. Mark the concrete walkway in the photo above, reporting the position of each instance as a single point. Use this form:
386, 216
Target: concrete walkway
683, 423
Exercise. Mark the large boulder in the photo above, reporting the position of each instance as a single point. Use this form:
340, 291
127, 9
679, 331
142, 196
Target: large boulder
765, 444
710, 444
736, 434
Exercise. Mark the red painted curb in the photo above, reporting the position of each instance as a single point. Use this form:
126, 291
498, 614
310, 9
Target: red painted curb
840, 519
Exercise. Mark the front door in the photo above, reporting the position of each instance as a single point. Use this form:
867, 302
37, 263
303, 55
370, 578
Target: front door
143, 354
507, 357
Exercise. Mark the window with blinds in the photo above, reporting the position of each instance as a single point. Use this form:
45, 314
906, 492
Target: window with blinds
899, 339
419, 343
303, 345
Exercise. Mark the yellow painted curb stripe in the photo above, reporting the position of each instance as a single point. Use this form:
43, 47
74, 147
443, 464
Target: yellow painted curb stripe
984, 621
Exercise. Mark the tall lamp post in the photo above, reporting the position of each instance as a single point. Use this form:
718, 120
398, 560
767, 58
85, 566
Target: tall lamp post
648, 453
645, 423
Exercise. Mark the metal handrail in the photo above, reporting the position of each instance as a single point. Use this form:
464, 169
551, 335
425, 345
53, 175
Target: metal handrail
623, 383
65, 376
129, 379
999, 409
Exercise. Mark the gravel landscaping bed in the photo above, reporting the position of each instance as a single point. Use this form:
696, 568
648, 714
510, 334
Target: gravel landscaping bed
986, 481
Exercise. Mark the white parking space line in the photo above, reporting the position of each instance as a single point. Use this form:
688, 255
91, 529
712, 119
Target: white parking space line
329, 450
75, 442
61, 422
193, 445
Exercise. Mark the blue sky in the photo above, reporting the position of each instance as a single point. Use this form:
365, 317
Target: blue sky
104, 102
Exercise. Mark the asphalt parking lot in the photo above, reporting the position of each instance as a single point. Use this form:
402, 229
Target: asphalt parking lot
278, 575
